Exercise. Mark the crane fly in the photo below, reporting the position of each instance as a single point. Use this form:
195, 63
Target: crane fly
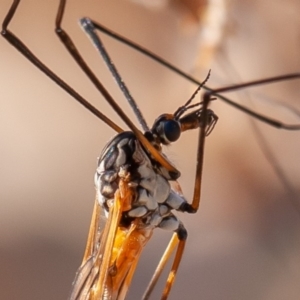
105, 272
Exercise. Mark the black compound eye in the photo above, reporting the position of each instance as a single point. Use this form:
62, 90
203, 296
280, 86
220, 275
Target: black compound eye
169, 130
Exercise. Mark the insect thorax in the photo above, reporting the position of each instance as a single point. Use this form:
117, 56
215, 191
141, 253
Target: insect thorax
154, 199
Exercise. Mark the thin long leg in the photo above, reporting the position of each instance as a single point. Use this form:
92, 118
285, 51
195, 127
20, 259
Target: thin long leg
161, 265
178, 241
174, 268
21, 47
202, 133
80, 61
200, 156
266, 149
111, 66
260, 117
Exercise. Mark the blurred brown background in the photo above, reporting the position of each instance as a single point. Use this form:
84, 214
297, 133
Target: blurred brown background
245, 241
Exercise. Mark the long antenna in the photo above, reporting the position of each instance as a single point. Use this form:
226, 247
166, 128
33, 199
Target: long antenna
89, 29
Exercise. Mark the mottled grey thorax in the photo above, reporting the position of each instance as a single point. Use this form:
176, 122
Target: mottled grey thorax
154, 199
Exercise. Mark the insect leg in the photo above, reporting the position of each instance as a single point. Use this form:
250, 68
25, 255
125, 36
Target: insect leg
178, 241
66, 40
272, 122
174, 268
202, 132
190, 78
21, 47
162, 263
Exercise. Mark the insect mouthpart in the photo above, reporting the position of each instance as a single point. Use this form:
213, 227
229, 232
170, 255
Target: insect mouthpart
196, 119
